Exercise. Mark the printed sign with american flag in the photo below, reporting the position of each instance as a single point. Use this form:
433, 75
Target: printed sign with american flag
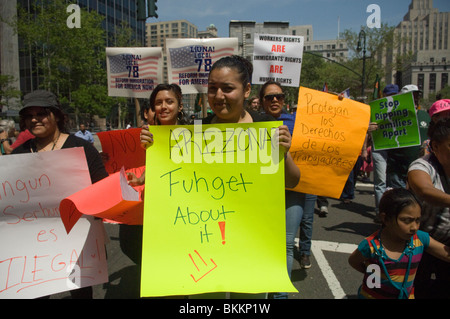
189, 60
133, 72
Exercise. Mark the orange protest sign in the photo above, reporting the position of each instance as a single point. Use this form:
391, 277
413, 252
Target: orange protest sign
122, 148
111, 198
328, 137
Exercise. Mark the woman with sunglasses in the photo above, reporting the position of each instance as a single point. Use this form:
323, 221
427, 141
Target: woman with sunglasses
299, 206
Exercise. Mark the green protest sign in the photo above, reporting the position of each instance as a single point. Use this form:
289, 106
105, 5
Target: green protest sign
397, 122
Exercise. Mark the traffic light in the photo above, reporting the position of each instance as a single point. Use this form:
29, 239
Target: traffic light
141, 14
152, 8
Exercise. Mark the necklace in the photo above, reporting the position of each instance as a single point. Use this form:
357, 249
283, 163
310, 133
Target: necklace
42, 149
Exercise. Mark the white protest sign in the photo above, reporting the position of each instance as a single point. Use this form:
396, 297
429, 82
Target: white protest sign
37, 256
133, 72
277, 58
190, 60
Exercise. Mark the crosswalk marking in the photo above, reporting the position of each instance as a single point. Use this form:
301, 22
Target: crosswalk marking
317, 248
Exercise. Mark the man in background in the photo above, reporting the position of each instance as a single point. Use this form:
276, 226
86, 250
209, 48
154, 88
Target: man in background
85, 134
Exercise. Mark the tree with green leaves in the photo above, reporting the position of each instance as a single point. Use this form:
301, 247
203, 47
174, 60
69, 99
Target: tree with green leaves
69, 61
340, 75
7, 90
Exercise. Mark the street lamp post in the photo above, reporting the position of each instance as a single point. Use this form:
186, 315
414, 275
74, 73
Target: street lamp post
362, 35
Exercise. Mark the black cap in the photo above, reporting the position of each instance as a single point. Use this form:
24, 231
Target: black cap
40, 98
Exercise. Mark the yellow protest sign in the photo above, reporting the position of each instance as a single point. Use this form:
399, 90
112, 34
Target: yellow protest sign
214, 213
328, 137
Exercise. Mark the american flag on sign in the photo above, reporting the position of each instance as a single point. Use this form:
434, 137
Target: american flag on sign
119, 68
183, 59
190, 60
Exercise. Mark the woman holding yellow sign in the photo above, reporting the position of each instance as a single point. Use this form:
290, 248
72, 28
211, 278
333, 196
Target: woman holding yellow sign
228, 88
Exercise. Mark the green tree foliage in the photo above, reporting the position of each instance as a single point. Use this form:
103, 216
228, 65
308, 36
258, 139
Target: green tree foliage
70, 61
7, 91
340, 75
378, 41
311, 75
433, 97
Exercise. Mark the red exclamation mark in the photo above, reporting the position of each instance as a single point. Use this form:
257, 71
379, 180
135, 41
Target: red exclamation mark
222, 230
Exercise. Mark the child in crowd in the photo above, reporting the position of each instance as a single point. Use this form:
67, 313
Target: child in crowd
394, 252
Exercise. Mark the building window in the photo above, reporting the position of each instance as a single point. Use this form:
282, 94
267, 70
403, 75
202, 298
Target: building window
420, 81
432, 86
444, 80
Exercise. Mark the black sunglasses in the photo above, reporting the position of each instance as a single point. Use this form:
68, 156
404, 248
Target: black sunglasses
269, 97
37, 114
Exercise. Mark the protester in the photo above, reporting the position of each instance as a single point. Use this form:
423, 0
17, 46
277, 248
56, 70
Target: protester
428, 178
7, 136
147, 114
348, 192
254, 104
5, 142
439, 109
167, 108
228, 87
164, 108
299, 206
41, 114
396, 249
367, 165
379, 157
322, 205
399, 159
85, 134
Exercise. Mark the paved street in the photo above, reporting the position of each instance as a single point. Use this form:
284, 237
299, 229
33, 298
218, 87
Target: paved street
334, 238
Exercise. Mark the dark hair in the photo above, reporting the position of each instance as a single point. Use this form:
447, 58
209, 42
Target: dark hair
145, 106
243, 66
439, 131
264, 86
395, 200
178, 95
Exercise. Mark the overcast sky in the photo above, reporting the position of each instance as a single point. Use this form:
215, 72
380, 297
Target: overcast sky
323, 15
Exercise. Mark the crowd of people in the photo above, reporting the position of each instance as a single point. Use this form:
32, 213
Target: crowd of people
412, 196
